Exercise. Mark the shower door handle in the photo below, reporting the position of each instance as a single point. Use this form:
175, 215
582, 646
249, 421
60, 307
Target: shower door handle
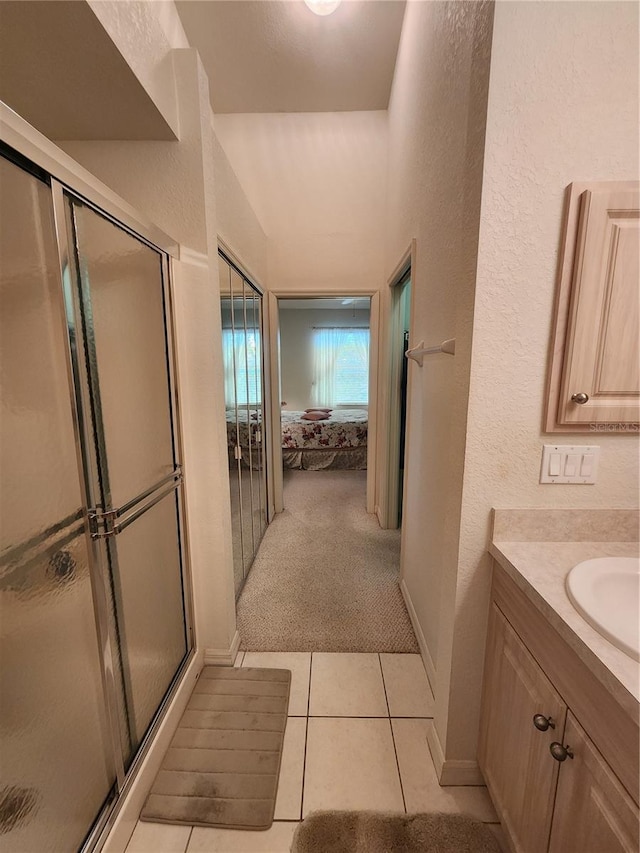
105, 524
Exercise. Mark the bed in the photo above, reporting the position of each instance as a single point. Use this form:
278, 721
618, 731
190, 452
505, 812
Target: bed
339, 442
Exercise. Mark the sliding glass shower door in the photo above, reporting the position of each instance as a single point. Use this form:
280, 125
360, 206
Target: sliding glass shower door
55, 740
120, 304
94, 627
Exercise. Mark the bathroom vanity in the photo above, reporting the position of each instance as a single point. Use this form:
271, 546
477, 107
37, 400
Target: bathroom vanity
559, 737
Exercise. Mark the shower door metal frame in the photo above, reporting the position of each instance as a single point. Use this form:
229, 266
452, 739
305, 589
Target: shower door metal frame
85, 452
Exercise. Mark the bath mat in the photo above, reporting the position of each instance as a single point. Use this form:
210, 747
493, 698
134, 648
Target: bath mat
380, 832
222, 766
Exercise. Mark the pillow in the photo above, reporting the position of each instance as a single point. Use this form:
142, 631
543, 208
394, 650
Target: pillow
315, 416
318, 409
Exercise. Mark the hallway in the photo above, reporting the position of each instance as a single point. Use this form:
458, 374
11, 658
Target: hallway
355, 739
326, 576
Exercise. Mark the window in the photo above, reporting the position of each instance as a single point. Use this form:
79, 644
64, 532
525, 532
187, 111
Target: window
341, 367
241, 356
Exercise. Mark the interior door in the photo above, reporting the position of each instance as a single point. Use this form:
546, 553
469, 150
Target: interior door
135, 486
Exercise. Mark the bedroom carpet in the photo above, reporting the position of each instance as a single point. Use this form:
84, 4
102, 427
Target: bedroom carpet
223, 764
375, 832
326, 576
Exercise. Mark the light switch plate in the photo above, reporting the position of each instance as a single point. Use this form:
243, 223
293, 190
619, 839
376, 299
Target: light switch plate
569, 463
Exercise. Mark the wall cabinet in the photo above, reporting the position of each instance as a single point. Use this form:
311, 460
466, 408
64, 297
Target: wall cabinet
594, 375
573, 802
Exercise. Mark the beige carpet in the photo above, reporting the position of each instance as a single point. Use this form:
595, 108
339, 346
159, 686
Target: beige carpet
377, 832
222, 766
326, 576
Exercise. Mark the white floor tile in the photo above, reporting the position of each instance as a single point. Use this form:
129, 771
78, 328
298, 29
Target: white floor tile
277, 839
289, 799
299, 664
346, 685
158, 838
351, 764
419, 781
408, 691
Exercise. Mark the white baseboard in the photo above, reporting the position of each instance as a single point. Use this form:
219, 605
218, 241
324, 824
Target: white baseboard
451, 771
378, 513
129, 811
422, 643
223, 657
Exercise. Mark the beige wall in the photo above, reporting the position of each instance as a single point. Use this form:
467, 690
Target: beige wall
563, 106
238, 226
436, 122
296, 348
316, 182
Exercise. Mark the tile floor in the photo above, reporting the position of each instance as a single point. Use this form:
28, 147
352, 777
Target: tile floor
355, 739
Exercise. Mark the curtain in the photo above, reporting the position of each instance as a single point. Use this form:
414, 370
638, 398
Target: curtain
240, 351
339, 354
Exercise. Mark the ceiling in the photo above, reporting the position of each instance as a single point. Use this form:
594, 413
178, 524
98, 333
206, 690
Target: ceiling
265, 56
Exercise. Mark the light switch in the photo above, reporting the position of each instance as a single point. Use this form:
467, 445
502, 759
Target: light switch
568, 463
587, 465
571, 464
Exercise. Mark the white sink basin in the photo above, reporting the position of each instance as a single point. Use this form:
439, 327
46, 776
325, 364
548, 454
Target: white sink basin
606, 592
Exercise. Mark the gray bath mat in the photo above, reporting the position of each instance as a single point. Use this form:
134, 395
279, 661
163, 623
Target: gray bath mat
223, 763
378, 832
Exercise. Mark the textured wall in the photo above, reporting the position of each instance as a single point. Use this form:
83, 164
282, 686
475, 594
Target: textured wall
316, 182
145, 34
436, 123
238, 225
563, 106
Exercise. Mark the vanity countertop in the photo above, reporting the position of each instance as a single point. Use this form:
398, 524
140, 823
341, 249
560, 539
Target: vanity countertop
539, 568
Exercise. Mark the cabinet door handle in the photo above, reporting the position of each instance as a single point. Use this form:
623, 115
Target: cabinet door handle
581, 398
560, 752
543, 723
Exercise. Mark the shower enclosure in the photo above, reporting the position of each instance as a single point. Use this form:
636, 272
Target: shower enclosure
94, 614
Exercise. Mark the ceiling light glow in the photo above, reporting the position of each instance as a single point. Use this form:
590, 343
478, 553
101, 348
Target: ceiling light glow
323, 7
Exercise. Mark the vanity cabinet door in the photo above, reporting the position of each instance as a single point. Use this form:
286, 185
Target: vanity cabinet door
514, 755
593, 812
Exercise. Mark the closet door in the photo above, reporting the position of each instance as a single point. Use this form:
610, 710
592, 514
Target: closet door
246, 421
258, 461
231, 414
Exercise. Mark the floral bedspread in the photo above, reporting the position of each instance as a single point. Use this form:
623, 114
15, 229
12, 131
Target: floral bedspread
345, 428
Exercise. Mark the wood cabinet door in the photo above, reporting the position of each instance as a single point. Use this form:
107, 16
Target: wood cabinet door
601, 356
593, 812
514, 755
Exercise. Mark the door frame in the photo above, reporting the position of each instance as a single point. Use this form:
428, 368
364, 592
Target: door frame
389, 444
275, 448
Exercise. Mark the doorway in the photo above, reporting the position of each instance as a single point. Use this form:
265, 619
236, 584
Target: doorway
324, 351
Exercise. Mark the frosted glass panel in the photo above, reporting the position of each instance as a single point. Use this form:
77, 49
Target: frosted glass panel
55, 774
123, 294
38, 466
149, 593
